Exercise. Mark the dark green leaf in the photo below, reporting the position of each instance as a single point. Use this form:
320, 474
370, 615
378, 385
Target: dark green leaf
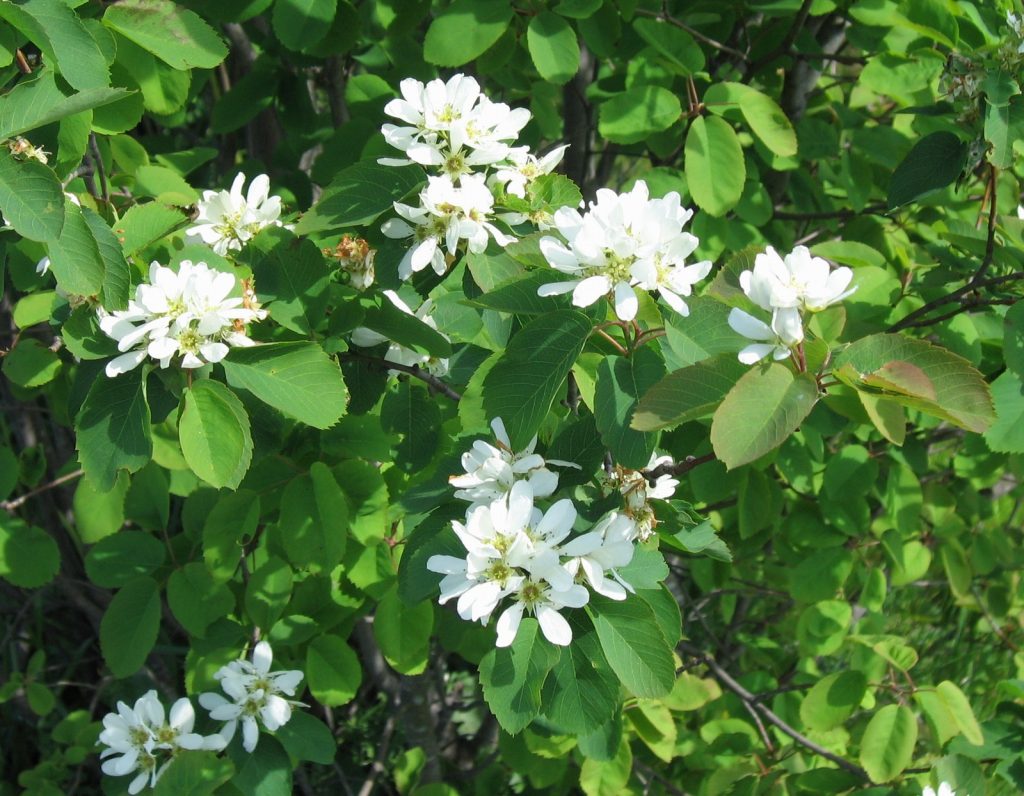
512, 677
130, 625
358, 195
935, 161
113, 428
620, 383
688, 394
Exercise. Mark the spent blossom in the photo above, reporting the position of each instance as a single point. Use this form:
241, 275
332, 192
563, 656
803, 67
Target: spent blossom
257, 696
624, 242
637, 492
399, 354
354, 257
186, 315
227, 220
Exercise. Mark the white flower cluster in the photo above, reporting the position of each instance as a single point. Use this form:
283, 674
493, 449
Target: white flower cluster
256, 696
188, 314
637, 493
451, 127
227, 220
143, 740
624, 242
785, 287
516, 550
399, 354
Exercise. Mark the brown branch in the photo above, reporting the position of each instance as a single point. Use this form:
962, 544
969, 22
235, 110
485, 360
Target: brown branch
913, 318
786, 44
876, 209
750, 699
14, 503
677, 468
643, 12
415, 371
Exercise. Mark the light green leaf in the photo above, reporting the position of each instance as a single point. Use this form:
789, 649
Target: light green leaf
333, 670
766, 119
1004, 124
75, 257
298, 379
113, 429
832, 700
145, 223
403, 632
920, 375
763, 408
524, 383
130, 625
620, 383
171, 32
1006, 435
1013, 338
268, 592
935, 161
214, 434
634, 645
115, 267
31, 198
465, 30
29, 557
358, 194
512, 677
300, 24
31, 364
38, 102
582, 692
688, 394
960, 708
888, 743
553, 47
715, 169
634, 114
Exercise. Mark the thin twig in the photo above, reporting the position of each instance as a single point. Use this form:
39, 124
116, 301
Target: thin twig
869, 210
11, 505
378, 766
747, 697
677, 468
692, 31
413, 370
913, 318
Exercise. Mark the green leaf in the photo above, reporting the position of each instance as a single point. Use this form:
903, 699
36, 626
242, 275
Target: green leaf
314, 520
268, 592
31, 198
512, 677
715, 170
704, 333
960, 709
582, 692
175, 35
196, 599
766, 119
38, 102
888, 743
935, 161
832, 700
115, 267
688, 394
214, 434
113, 429
31, 364
197, 773
358, 194
823, 627
403, 632
1004, 124
1006, 435
519, 295
523, 384
634, 645
145, 223
123, 556
62, 37
300, 24
75, 257
920, 375
29, 557
406, 330
298, 379
1013, 338
267, 773
620, 383
632, 115
230, 523
464, 30
763, 408
130, 625
305, 737
293, 281
553, 47
674, 44
332, 670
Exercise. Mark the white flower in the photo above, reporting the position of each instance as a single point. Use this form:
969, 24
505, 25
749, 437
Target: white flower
400, 355
606, 547
775, 341
491, 470
227, 220
541, 600
255, 692
447, 215
522, 167
637, 492
945, 789
798, 281
187, 313
624, 241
